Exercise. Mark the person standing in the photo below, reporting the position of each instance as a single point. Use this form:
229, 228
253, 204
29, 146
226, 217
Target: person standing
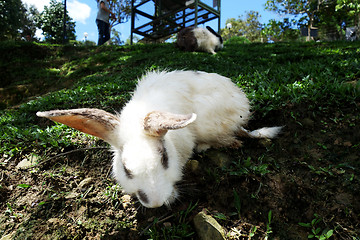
102, 20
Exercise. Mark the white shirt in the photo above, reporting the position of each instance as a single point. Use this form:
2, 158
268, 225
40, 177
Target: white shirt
102, 14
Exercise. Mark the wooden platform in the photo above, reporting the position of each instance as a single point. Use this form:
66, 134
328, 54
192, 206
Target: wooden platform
167, 17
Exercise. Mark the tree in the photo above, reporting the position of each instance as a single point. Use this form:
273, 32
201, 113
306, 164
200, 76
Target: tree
115, 39
135, 39
296, 7
11, 14
51, 23
31, 17
122, 10
331, 17
280, 31
250, 27
352, 7
330, 22
334, 16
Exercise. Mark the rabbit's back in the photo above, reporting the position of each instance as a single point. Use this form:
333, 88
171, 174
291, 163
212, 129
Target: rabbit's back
221, 107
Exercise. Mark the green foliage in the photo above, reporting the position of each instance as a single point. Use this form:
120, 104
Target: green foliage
237, 203
277, 31
29, 23
181, 230
316, 231
277, 78
113, 193
122, 11
306, 9
52, 24
268, 225
237, 40
248, 27
351, 6
11, 14
272, 75
11, 212
116, 37
289, 7
247, 166
330, 17
349, 10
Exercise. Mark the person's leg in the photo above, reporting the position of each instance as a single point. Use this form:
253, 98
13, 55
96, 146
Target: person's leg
107, 32
101, 28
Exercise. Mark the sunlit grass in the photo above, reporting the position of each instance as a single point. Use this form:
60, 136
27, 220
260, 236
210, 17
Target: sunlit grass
272, 76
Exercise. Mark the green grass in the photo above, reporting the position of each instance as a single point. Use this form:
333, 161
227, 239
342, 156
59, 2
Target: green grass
276, 77
181, 230
272, 75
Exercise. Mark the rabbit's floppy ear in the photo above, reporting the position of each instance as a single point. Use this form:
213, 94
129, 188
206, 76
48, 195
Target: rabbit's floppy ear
212, 31
96, 122
157, 123
215, 33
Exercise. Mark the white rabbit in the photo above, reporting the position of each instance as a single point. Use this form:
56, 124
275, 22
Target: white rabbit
199, 39
170, 113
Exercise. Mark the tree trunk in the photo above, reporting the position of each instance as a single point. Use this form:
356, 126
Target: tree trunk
311, 20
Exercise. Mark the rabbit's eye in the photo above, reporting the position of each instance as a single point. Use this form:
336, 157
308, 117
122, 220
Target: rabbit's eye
142, 196
164, 157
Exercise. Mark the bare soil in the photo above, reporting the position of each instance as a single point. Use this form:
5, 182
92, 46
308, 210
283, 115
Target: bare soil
312, 171
309, 173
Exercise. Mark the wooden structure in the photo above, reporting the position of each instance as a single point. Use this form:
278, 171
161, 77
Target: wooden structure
170, 16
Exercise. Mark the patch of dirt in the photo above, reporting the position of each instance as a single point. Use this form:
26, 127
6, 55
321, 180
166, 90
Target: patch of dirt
310, 172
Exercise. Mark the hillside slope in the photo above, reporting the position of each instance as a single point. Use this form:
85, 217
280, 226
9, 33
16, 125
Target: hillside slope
56, 183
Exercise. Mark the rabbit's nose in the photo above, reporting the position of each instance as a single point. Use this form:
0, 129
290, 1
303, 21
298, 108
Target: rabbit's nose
155, 204
152, 204
147, 202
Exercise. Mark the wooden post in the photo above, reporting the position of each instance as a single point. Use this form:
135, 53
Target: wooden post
132, 22
196, 12
219, 9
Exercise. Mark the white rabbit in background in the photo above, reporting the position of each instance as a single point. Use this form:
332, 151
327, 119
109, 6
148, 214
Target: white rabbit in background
199, 39
170, 114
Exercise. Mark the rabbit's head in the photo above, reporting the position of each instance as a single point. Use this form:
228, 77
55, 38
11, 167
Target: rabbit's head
148, 168
186, 40
146, 161
149, 163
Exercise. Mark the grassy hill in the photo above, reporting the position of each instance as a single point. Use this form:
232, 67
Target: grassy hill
305, 182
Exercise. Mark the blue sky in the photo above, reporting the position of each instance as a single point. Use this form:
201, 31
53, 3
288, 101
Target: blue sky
83, 13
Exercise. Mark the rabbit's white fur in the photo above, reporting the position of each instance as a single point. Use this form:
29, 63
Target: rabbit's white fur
179, 92
207, 41
210, 110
